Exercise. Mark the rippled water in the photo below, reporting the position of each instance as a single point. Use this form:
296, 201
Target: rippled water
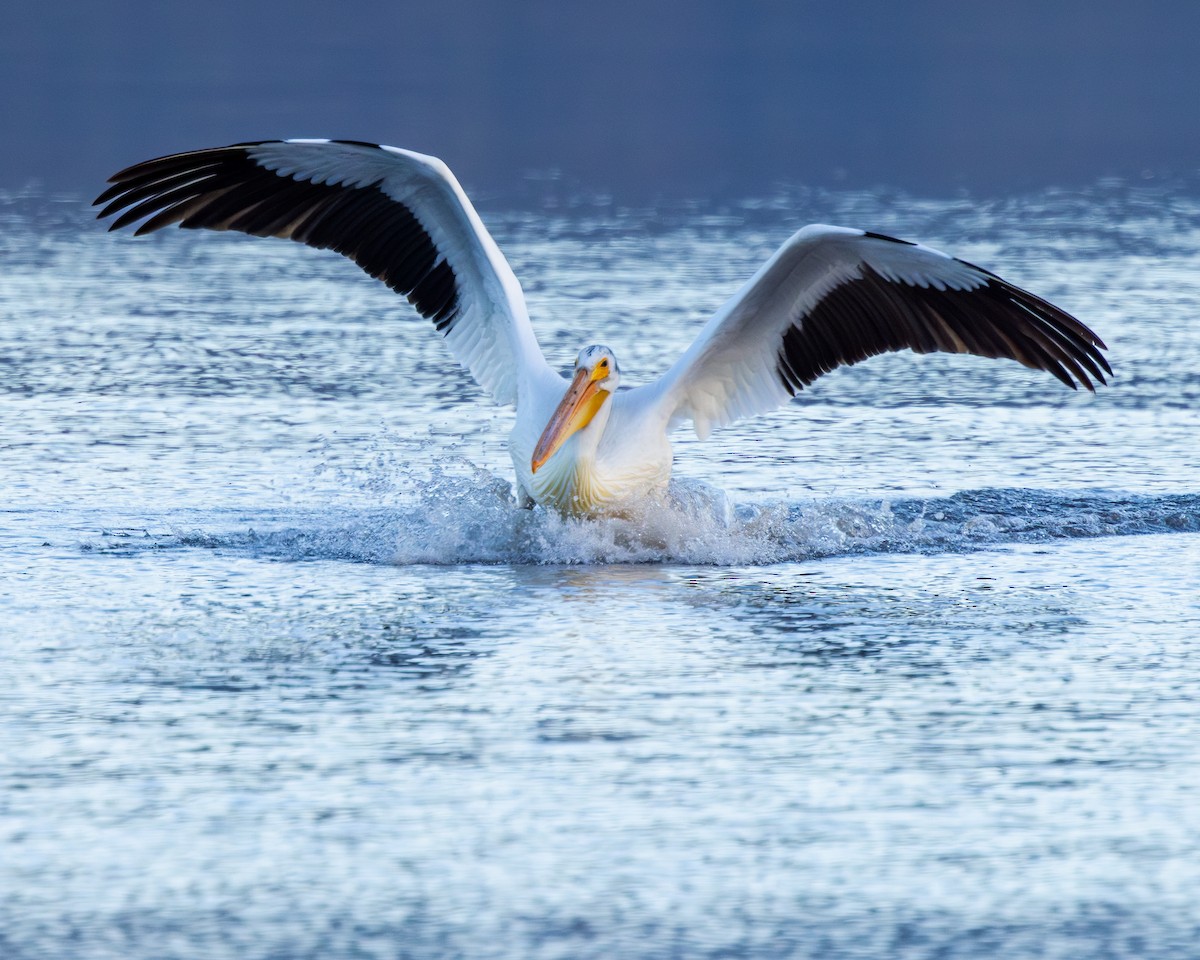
906, 671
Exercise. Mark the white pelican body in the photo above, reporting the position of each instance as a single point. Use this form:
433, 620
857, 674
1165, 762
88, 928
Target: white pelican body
619, 458
829, 296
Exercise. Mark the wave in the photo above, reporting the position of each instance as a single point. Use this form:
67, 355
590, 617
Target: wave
474, 520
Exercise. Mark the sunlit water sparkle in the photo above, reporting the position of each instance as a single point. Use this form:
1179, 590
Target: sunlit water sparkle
905, 670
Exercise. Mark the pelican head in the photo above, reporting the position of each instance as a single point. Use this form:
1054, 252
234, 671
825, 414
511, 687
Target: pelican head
596, 378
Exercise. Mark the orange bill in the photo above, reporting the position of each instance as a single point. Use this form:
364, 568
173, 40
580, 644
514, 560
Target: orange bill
583, 398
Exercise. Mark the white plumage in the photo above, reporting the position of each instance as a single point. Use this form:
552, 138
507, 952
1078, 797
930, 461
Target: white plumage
829, 296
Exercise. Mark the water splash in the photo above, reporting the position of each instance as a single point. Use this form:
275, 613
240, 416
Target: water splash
455, 519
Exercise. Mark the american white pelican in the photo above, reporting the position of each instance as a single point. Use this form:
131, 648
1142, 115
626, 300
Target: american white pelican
829, 296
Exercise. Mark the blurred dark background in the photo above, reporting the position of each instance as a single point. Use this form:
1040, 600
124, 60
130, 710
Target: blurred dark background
636, 98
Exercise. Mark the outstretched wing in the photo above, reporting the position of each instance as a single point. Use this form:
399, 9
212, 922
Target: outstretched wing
832, 296
399, 215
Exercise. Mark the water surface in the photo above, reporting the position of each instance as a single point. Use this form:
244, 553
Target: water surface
907, 672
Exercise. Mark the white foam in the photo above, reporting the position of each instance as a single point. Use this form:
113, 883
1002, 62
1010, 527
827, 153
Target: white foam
461, 514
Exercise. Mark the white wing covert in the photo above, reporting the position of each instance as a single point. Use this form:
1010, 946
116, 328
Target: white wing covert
399, 215
833, 296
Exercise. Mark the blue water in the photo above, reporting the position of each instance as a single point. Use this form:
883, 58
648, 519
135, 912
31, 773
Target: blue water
906, 671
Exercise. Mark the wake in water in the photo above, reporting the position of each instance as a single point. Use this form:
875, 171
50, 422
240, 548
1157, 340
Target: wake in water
462, 520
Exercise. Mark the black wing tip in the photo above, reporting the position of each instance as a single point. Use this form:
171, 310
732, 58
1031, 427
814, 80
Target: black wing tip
135, 170
883, 236
1100, 376
863, 317
1087, 346
140, 181
359, 143
228, 188
121, 180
